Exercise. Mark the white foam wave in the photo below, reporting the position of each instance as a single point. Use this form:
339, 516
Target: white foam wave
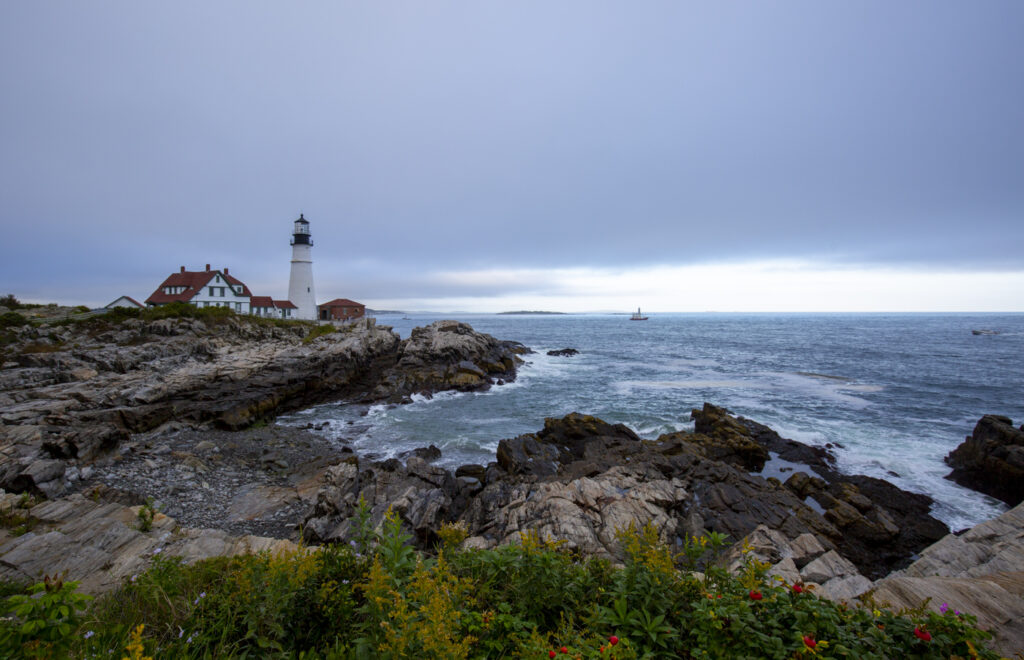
821, 388
682, 384
813, 438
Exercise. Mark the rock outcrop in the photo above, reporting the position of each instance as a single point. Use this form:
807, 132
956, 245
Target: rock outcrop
991, 460
447, 355
70, 394
980, 572
99, 543
580, 478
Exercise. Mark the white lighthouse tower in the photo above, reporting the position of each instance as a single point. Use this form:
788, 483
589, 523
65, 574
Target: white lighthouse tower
300, 284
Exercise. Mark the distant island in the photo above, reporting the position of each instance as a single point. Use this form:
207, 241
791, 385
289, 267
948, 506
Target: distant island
523, 311
385, 312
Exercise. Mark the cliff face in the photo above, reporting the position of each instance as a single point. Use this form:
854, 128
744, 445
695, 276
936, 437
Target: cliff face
991, 459
70, 394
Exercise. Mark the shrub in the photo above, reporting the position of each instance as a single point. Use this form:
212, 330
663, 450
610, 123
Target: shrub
380, 598
146, 514
45, 619
12, 320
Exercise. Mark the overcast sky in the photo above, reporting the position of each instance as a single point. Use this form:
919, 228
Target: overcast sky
504, 155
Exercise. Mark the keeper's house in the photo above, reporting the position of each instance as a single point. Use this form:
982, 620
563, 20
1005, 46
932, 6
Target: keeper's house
277, 309
204, 288
341, 309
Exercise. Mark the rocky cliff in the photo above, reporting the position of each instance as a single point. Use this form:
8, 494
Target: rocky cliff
991, 459
69, 394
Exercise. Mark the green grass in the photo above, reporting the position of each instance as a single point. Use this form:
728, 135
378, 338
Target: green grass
176, 310
318, 331
381, 599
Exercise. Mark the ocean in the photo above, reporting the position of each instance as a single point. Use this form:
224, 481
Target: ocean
893, 393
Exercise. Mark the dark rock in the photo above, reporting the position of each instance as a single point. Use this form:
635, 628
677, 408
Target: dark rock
429, 454
526, 454
991, 460
579, 478
724, 438
564, 352
473, 471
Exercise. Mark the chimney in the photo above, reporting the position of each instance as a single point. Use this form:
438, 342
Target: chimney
183, 269
226, 270
207, 268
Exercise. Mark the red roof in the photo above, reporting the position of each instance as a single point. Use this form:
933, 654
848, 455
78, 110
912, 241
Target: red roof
341, 302
193, 281
265, 301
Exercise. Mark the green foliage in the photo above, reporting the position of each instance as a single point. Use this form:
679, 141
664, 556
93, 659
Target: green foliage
318, 331
379, 598
43, 621
10, 302
177, 310
145, 515
12, 320
17, 519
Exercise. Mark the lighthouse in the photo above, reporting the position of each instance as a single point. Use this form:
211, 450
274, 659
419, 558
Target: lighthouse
300, 284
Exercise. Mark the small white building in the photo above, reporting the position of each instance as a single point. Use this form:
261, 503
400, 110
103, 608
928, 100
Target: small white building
125, 301
276, 309
208, 288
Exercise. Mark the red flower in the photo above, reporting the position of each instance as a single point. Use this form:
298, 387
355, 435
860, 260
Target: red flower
809, 641
755, 595
551, 654
797, 589
564, 650
614, 640
922, 635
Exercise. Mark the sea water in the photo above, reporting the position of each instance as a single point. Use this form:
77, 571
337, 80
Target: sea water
892, 393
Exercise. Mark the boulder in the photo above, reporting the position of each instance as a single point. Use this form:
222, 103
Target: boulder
448, 355
724, 438
991, 460
564, 352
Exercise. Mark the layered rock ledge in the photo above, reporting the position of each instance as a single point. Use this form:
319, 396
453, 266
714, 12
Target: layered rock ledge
72, 394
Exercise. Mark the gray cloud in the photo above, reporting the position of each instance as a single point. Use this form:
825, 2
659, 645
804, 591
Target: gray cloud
459, 136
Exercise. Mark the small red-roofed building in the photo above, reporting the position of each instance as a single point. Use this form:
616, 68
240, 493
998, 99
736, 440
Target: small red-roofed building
276, 309
341, 309
203, 288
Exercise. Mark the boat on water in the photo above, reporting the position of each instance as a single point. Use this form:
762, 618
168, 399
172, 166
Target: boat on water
638, 316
